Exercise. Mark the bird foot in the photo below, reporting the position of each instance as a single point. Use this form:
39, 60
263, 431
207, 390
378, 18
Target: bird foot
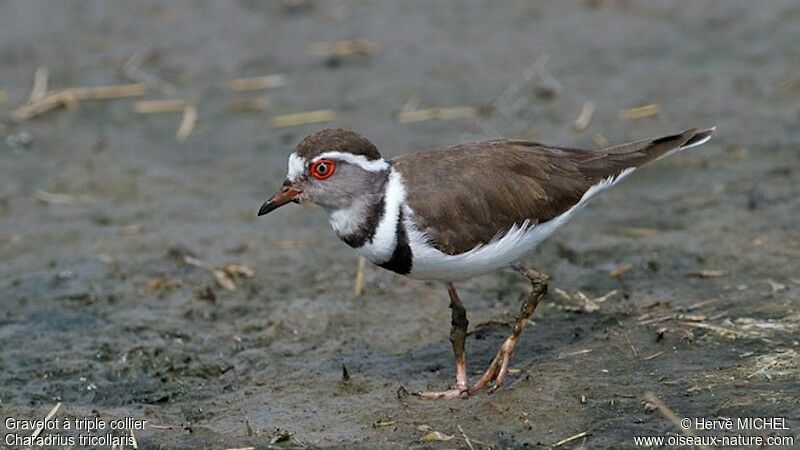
444, 395
498, 369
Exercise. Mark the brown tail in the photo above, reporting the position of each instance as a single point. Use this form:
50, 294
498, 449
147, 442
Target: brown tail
643, 152
600, 164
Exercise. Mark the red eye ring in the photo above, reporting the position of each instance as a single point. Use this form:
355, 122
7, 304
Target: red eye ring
322, 169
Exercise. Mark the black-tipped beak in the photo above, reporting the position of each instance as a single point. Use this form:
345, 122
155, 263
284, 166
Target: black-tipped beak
284, 196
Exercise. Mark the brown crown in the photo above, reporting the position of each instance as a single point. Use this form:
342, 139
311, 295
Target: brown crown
337, 139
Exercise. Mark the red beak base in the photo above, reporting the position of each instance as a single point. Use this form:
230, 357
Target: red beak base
285, 195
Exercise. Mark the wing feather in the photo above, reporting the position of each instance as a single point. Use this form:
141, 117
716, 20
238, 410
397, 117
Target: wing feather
464, 196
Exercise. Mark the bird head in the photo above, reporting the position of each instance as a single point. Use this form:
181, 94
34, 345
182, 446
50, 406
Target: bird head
333, 168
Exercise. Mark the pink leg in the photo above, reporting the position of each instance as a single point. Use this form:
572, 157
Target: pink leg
458, 334
498, 369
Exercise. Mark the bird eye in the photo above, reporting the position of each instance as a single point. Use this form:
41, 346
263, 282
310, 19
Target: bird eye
322, 169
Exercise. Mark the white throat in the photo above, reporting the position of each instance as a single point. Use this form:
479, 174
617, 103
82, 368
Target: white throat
379, 249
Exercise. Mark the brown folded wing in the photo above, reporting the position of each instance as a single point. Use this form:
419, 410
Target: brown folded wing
465, 195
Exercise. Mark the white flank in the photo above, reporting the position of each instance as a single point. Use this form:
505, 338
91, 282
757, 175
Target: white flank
385, 240
375, 165
431, 264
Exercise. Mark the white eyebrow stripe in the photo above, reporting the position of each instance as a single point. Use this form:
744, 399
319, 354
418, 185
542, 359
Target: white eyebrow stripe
375, 165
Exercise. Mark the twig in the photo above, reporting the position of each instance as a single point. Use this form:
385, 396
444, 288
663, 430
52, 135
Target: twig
572, 438
718, 329
466, 439
655, 355
670, 415
700, 304
303, 118
383, 423
46, 418
658, 319
359, 285
633, 349
258, 83
248, 428
162, 427
582, 122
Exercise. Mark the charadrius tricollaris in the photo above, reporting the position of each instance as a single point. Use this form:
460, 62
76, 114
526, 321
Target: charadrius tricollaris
457, 212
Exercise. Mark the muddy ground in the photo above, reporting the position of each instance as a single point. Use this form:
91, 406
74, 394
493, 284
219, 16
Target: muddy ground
101, 313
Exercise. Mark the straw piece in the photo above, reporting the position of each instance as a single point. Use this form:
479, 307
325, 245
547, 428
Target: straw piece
160, 106
466, 438
411, 105
582, 122
600, 140
350, 47
61, 199
618, 271
224, 276
248, 104
3, 96
655, 355
420, 115
108, 92
132, 71
639, 112
303, 118
709, 273
46, 418
224, 280
576, 353
187, 123
359, 286
572, 438
188, 120
670, 415
135, 443
50, 102
40, 79
71, 96
257, 83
